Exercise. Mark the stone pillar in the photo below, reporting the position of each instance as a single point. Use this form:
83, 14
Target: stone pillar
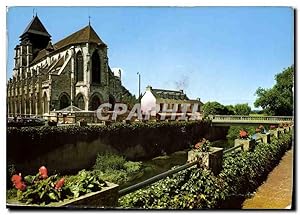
36, 104
281, 130
248, 144
87, 103
25, 105
211, 160
275, 133
16, 107
87, 60
48, 106
21, 61
20, 104
265, 137
30, 108
72, 76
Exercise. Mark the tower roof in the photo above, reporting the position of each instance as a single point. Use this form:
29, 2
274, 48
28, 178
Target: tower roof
35, 27
84, 35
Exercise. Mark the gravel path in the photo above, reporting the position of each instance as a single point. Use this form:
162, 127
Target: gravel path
276, 191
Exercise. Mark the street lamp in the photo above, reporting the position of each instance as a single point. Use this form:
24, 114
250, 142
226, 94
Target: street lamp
139, 86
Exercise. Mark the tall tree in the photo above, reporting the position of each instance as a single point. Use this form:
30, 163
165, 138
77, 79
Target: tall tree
279, 99
230, 109
242, 109
214, 108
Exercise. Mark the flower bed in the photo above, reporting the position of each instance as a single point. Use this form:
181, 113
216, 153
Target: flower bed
41, 190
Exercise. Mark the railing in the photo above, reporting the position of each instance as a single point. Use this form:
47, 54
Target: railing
155, 178
163, 175
270, 119
233, 149
166, 174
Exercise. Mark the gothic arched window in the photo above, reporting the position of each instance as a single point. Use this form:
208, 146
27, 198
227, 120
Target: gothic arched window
64, 101
79, 67
80, 102
95, 102
96, 68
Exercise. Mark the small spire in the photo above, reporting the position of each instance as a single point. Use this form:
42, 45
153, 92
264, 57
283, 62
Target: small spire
34, 10
89, 20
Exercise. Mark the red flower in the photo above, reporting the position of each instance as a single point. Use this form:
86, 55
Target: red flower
43, 172
198, 145
16, 178
243, 134
17, 182
59, 183
20, 186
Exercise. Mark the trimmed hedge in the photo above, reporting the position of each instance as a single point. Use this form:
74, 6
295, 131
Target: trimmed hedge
198, 188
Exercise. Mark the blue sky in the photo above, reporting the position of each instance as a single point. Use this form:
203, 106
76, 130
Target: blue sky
215, 53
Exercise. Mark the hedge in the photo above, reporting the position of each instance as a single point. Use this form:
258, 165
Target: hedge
198, 188
29, 142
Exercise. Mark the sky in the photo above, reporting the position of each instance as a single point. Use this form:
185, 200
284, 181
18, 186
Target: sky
213, 53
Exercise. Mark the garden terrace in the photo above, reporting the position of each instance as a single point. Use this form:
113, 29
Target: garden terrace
195, 187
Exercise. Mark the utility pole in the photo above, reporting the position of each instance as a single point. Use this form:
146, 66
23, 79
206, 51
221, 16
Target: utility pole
139, 86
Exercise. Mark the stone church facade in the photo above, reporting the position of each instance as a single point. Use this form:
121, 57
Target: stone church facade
73, 71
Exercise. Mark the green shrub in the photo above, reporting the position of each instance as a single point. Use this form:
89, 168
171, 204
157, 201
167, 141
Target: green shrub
114, 176
244, 171
114, 168
132, 167
190, 188
109, 161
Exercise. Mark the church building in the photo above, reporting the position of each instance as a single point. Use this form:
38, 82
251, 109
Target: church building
51, 76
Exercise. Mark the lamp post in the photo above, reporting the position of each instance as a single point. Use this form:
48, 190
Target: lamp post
139, 86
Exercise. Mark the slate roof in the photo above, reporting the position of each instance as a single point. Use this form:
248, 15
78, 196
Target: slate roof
39, 56
169, 94
84, 35
36, 27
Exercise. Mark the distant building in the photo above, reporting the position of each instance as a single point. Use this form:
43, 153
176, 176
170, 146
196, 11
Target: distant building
170, 98
74, 71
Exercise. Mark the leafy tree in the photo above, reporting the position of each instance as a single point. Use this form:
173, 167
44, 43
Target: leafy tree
214, 108
279, 99
242, 109
230, 109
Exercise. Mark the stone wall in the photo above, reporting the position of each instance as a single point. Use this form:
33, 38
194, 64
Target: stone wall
60, 84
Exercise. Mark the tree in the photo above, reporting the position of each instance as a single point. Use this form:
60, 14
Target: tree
242, 109
214, 108
279, 99
230, 110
